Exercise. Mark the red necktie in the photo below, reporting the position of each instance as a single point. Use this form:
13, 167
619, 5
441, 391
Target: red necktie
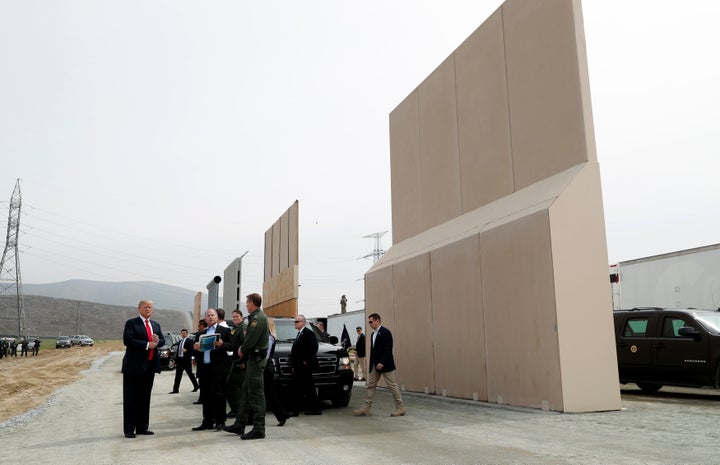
150, 334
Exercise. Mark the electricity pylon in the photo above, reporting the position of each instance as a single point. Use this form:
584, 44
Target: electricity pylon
10, 282
377, 251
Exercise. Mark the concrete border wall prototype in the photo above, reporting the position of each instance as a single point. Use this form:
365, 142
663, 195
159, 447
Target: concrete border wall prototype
280, 286
496, 284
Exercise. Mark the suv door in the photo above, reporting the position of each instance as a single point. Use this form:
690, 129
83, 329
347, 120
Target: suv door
682, 359
634, 345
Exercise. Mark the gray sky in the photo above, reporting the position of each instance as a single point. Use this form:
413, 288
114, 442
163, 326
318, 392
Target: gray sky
158, 140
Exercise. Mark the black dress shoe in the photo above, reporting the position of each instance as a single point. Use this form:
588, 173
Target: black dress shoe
202, 427
313, 412
147, 432
253, 435
196, 389
235, 428
219, 426
173, 392
282, 422
129, 435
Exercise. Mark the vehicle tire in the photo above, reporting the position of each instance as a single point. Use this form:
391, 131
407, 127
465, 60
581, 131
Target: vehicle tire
171, 364
341, 399
649, 387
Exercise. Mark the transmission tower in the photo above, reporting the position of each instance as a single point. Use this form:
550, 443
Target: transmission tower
377, 251
10, 282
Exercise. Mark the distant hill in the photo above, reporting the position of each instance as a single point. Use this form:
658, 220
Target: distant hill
120, 293
48, 318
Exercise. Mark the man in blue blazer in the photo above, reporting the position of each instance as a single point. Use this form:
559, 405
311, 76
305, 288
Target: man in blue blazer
382, 363
142, 336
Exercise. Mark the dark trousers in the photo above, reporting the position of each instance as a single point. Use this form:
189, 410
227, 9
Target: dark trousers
212, 392
272, 402
305, 393
137, 389
233, 386
186, 366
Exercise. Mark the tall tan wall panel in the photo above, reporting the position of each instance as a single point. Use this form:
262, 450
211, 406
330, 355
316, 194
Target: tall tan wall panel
458, 323
413, 321
439, 161
546, 102
486, 170
498, 233
576, 220
520, 322
405, 182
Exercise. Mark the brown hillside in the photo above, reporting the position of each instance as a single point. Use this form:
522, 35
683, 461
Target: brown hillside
48, 318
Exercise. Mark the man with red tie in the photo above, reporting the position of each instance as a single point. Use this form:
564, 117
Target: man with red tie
142, 336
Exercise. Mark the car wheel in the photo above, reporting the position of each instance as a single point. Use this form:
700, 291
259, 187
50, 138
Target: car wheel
341, 400
649, 387
171, 364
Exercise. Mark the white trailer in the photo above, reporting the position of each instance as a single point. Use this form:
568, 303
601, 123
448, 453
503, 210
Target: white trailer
351, 320
687, 278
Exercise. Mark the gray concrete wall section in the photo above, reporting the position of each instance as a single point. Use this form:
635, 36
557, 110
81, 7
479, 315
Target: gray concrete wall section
499, 252
82, 423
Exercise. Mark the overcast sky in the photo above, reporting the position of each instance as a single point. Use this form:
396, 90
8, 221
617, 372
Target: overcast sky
158, 140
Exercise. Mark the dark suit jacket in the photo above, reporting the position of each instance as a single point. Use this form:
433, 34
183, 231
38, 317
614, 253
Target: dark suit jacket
135, 339
187, 356
360, 345
304, 349
381, 351
219, 360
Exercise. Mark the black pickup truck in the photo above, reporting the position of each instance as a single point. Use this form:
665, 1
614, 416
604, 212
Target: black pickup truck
334, 377
663, 346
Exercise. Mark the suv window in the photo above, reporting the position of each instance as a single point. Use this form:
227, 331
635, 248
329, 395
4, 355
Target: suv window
636, 327
671, 326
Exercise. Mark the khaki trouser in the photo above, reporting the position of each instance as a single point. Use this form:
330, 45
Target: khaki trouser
389, 378
359, 367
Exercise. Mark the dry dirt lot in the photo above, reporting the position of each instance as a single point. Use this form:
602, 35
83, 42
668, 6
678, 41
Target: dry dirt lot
28, 381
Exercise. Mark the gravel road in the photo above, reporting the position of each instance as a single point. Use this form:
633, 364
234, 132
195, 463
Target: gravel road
82, 423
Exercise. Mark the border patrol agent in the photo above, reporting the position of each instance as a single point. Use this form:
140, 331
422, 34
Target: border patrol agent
254, 352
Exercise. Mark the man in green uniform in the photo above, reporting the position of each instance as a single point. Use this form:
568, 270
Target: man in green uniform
254, 352
236, 377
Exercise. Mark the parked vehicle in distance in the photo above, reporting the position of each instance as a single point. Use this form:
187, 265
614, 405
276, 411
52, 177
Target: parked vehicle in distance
334, 376
168, 351
668, 346
63, 342
81, 340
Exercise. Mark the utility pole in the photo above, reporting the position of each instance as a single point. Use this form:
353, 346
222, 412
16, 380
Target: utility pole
10, 281
377, 251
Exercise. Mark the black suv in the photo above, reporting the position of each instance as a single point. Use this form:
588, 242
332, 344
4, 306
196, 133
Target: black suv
663, 346
168, 350
334, 377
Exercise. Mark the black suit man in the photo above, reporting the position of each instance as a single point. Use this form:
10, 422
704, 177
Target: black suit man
213, 367
382, 363
141, 337
304, 360
183, 362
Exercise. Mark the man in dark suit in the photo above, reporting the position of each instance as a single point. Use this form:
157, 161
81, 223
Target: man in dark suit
183, 362
213, 367
382, 363
141, 337
360, 355
304, 361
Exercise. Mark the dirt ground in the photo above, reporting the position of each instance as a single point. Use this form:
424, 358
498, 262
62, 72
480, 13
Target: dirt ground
28, 381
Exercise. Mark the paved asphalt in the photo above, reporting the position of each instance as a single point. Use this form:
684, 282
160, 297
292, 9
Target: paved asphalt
82, 424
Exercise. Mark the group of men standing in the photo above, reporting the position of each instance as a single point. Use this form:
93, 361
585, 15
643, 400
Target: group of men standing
10, 348
231, 366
